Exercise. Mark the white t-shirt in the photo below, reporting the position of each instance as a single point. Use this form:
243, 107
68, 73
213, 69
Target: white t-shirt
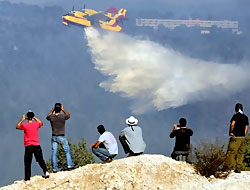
109, 142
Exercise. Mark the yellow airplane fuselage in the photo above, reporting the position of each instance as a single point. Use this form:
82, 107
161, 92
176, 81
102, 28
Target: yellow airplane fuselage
81, 19
75, 20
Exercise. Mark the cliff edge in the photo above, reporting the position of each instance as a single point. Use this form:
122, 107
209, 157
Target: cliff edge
145, 172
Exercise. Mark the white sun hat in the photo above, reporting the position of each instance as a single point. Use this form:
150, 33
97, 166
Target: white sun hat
132, 121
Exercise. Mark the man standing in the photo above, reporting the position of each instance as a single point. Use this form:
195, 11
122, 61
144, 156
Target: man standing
236, 147
57, 121
182, 140
131, 138
31, 144
106, 147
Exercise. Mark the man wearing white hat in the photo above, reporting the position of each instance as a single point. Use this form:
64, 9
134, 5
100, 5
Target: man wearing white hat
131, 138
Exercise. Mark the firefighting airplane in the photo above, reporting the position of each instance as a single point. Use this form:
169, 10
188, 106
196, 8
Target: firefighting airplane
108, 20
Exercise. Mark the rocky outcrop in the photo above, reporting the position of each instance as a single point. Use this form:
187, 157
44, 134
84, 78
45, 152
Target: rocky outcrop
145, 172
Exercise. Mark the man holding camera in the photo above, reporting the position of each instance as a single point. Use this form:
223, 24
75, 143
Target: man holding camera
57, 121
31, 144
182, 141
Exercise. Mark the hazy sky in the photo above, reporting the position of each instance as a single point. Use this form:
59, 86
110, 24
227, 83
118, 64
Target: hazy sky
159, 76
217, 6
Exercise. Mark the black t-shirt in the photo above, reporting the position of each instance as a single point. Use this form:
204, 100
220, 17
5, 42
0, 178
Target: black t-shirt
58, 123
241, 120
182, 141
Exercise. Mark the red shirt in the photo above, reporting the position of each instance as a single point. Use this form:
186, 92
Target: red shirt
30, 133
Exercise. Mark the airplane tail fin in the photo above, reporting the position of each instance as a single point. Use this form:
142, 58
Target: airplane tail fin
122, 13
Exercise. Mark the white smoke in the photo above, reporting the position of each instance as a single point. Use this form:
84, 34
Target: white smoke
158, 77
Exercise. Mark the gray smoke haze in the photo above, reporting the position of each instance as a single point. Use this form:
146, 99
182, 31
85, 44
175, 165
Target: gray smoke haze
159, 77
43, 62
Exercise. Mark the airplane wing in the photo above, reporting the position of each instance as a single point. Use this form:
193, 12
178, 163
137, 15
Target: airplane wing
111, 25
111, 22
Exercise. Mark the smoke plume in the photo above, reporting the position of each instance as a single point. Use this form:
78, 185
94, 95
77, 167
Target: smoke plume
156, 77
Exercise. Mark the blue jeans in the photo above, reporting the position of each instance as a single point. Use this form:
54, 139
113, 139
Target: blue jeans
102, 153
55, 140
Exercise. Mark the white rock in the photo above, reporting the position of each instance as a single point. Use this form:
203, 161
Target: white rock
145, 172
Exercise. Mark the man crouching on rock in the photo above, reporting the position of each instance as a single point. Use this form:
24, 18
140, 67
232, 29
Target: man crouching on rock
131, 138
182, 141
106, 147
31, 143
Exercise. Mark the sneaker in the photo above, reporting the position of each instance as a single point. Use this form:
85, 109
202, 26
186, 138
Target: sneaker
237, 171
67, 169
46, 175
54, 171
129, 155
108, 160
27, 182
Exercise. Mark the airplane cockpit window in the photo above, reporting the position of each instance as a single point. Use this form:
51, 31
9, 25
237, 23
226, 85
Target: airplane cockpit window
70, 13
107, 19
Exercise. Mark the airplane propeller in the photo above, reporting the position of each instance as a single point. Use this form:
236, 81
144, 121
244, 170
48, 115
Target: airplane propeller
83, 7
73, 9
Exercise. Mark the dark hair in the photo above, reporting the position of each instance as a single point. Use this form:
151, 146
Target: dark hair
101, 129
183, 122
30, 115
58, 107
238, 107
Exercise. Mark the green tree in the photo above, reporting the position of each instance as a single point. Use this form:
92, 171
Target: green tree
79, 153
208, 158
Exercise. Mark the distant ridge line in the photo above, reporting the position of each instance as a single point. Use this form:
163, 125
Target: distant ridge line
172, 24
